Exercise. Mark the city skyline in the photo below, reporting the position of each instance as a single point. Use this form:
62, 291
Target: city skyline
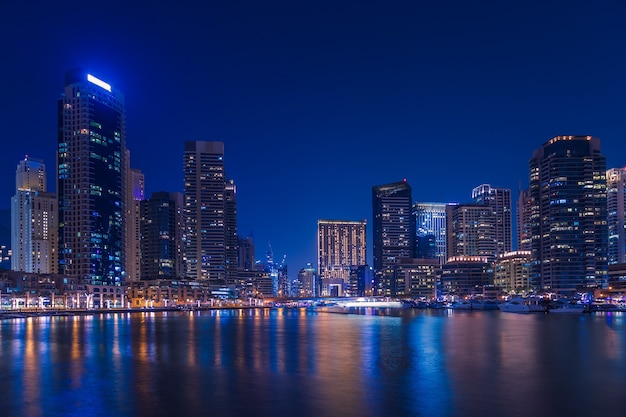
317, 105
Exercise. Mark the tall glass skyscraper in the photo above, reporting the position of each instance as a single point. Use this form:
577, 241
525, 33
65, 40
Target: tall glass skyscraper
568, 215
91, 179
616, 215
394, 231
204, 210
161, 236
430, 220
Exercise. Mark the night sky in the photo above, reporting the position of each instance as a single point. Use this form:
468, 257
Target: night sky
318, 101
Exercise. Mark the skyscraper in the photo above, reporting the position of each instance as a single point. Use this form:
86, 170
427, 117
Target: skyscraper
34, 220
135, 193
245, 253
499, 200
161, 236
341, 246
616, 214
430, 220
394, 230
568, 214
205, 183
360, 281
230, 230
308, 282
524, 232
471, 231
91, 179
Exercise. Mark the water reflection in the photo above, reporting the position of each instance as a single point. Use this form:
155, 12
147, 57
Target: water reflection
297, 362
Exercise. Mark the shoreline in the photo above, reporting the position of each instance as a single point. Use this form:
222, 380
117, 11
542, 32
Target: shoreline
19, 314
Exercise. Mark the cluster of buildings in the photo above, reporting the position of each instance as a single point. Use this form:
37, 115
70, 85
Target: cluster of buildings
100, 234
570, 234
100, 241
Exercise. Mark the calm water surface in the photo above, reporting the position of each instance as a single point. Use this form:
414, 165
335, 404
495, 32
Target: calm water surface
303, 363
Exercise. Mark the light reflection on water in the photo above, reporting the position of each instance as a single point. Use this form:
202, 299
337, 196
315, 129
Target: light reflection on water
297, 362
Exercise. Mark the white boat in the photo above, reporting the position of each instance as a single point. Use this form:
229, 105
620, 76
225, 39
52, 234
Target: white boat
515, 305
536, 304
378, 303
605, 307
569, 308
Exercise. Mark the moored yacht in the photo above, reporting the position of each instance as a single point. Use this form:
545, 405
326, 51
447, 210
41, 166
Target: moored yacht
371, 302
514, 305
536, 304
569, 308
604, 307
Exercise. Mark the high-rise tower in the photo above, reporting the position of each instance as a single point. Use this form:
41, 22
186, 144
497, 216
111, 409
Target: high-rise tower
430, 220
524, 232
245, 253
568, 214
34, 220
135, 193
230, 231
91, 179
161, 236
616, 214
471, 231
499, 200
341, 247
204, 209
394, 230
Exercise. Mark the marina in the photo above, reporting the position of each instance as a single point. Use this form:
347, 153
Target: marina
344, 305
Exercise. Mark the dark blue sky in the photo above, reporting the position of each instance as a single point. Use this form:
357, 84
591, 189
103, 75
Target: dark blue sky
318, 101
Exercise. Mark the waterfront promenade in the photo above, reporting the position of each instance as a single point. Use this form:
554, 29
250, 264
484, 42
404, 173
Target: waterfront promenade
50, 312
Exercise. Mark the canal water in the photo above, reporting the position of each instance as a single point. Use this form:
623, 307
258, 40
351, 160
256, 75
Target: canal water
296, 362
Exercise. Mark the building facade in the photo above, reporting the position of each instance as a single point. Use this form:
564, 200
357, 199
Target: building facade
394, 230
309, 284
245, 253
161, 236
91, 180
464, 276
499, 200
341, 246
430, 220
34, 221
471, 231
230, 231
512, 272
135, 194
524, 232
360, 281
204, 211
568, 215
616, 214
417, 278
